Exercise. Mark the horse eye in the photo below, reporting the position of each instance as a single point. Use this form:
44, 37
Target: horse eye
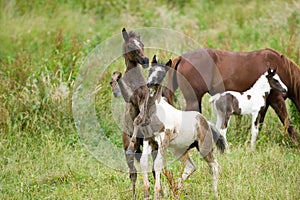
133, 52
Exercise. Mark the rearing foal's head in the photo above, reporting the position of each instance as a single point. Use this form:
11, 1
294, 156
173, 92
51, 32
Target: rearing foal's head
133, 49
156, 75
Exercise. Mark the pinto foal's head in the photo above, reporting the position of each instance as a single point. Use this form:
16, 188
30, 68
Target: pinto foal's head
156, 75
275, 81
133, 48
114, 83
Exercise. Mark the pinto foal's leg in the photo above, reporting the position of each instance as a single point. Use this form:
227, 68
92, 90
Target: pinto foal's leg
206, 145
158, 165
144, 167
214, 169
254, 129
188, 169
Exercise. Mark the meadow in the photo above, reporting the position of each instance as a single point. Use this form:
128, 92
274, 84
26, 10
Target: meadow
43, 44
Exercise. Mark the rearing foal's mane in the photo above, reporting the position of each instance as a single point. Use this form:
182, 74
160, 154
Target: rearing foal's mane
213, 71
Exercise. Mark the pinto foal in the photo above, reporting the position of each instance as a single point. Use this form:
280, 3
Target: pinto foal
250, 102
183, 130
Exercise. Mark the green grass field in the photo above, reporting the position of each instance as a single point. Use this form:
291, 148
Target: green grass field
44, 43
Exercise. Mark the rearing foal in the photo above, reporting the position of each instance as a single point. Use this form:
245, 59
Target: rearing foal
136, 97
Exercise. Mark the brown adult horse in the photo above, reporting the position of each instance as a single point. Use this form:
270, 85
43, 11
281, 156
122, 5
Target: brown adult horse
215, 71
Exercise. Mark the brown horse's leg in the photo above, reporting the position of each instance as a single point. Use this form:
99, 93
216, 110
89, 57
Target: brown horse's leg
130, 163
193, 105
278, 104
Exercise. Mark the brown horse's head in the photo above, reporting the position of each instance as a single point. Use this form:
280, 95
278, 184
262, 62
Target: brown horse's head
156, 75
114, 83
133, 48
275, 82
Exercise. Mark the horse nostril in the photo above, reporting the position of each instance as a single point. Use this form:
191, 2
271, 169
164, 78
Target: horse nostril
150, 84
146, 60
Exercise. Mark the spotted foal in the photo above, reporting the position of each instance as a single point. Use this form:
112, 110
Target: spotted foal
250, 102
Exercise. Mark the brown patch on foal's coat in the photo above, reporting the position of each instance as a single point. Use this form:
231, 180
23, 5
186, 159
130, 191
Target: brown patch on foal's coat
205, 139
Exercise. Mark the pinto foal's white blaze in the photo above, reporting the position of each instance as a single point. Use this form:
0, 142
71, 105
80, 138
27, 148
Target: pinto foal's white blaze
250, 102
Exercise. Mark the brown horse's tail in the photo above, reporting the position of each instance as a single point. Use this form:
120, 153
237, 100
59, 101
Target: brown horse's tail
172, 84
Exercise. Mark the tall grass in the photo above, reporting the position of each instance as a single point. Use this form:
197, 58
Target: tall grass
44, 43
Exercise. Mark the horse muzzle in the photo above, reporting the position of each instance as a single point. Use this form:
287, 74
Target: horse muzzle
284, 91
144, 62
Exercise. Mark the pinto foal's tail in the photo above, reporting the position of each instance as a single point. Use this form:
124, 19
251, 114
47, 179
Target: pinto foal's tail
218, 138
172, 83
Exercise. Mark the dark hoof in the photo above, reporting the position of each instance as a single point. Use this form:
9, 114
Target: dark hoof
129, 152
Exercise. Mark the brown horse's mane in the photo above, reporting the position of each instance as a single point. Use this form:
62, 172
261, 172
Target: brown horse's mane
274, 51
294, 71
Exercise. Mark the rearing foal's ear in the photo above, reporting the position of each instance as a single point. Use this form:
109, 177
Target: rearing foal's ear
125, 35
